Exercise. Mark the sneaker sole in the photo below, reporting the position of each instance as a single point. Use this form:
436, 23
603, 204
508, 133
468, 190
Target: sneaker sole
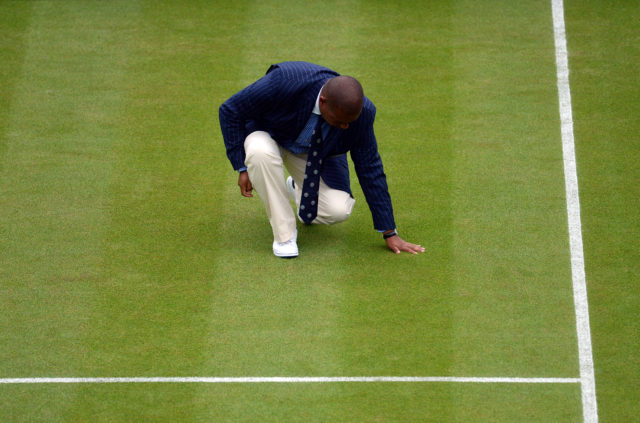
282, 255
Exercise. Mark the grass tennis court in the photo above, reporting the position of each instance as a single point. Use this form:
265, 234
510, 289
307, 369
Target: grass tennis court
126, 250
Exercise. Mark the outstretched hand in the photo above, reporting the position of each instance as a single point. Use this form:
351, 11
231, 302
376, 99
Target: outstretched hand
397, 245
245, 184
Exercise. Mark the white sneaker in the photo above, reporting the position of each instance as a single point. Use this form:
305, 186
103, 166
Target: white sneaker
288, 249
291, 187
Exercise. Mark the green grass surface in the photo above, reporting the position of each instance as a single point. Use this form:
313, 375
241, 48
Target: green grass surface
127, 250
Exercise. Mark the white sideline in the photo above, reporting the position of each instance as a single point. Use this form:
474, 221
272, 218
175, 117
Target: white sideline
339, 379
585, 354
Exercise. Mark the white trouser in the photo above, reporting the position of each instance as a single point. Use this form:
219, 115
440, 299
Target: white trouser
265, 161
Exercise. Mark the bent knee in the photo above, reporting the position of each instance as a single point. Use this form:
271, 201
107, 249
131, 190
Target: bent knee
259, 146
339, 211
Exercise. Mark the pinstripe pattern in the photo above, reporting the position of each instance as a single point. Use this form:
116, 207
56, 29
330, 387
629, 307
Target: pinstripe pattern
280, 103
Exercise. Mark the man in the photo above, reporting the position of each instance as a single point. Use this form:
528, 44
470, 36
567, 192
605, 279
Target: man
306, 117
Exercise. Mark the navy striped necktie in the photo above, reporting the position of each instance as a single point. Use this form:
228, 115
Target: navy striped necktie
302, 143
309, 200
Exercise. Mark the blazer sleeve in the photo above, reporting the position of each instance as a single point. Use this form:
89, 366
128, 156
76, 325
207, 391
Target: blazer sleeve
245, 106
372, 179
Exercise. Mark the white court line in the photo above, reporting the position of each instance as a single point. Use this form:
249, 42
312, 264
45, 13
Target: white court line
585, 354
339, 379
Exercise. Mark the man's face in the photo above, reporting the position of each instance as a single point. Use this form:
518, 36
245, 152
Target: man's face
335, 116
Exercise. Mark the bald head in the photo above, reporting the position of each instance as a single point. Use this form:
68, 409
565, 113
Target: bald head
342, 96
345, 93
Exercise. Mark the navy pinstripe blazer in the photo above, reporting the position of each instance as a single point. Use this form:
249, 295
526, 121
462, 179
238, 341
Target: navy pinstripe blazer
280, 103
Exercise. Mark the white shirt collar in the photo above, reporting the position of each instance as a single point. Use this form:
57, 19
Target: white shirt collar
316, 108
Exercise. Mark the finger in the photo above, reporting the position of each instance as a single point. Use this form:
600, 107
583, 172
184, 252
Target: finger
417, 248
414, 249
246, 192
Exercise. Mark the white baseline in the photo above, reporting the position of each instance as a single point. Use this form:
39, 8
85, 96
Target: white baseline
284, 379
